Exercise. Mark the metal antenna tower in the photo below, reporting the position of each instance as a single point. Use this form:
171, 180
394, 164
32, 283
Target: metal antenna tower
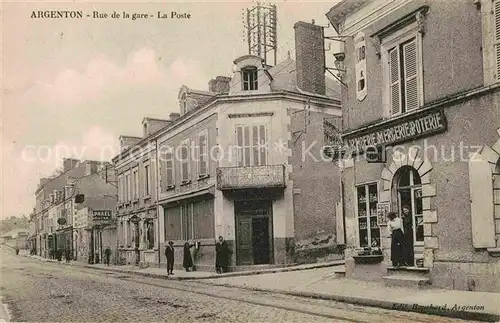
260, 30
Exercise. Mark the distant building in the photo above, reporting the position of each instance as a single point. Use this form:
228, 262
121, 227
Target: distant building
58, 209
421, 121
235, 163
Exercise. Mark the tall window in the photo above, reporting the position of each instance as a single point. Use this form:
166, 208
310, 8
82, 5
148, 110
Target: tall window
202, 153
184, 160
128, 187
147, 188
136, 183
252, 145
249, 76
190, 221
150, 234
496, 11
410, 194
367, 199
403, 77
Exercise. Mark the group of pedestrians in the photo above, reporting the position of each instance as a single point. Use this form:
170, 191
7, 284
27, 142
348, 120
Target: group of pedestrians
401, 228
222, 255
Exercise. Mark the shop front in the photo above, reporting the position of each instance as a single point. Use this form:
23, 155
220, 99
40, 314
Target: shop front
426, 169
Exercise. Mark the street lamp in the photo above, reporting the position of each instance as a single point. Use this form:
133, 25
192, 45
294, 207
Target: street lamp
135, 220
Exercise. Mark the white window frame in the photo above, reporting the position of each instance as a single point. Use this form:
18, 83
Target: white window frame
147, 178
252, 86
490, 69
169, 168
241, 153
135, 179
185, 162
368, 222
202, 154
128, 187
395, 39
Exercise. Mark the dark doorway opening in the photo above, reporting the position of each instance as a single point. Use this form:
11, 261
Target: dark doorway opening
260, 240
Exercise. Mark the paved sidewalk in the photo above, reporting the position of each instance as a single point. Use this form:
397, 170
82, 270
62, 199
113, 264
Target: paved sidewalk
322, 283
183, 275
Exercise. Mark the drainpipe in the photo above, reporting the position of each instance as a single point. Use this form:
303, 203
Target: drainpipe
157, 188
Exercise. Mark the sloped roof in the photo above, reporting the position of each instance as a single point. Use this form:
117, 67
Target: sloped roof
285, 79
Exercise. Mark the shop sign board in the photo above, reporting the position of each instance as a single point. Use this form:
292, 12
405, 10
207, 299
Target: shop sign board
386, 134
101, 215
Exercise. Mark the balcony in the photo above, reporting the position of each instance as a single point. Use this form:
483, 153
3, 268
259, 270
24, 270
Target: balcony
268, 176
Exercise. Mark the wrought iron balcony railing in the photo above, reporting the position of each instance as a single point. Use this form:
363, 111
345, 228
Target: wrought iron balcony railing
230, 178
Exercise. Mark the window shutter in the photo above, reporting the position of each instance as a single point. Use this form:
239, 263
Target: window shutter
263, 147
481, 203
394, 80
410, 74
496, 46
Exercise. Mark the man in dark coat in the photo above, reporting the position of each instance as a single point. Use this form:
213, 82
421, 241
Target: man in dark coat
169, 253
221, 256
107, 255
67, 254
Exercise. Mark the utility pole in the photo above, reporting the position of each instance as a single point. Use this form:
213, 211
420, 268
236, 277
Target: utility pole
260, 31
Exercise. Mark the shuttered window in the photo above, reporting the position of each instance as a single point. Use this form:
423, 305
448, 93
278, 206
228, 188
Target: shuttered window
252, 145
481, 203
202, 153
184, 159
496, 46
403, 77
166, 168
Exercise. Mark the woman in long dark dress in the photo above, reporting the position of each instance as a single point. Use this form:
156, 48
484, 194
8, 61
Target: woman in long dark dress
396, 228
188, 261
221, 256
408, 253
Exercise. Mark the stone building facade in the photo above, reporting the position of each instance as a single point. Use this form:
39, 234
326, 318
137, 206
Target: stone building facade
421, 119
244, 161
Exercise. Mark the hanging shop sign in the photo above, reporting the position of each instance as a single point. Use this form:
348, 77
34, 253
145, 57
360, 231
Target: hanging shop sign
383, 208
400, 130
101, 215
61, 221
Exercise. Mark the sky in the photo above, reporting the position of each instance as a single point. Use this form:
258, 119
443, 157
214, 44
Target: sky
71, 87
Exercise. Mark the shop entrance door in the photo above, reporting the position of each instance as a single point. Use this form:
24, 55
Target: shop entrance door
253, 232
410, 195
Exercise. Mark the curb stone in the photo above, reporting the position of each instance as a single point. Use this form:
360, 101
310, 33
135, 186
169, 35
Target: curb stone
388, 305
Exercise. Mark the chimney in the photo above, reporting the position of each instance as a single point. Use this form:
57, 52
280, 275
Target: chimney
212, 85
310, 57
174, 116
90, 167
69, 163
222, 84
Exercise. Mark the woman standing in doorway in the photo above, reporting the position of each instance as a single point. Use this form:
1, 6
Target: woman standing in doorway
408, 253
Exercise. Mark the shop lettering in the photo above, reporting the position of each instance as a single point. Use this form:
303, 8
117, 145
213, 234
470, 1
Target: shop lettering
404, 131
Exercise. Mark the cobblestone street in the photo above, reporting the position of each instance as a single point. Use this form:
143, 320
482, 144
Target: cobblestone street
39, 291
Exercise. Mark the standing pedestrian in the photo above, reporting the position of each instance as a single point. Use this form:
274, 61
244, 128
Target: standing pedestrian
221, 255
67, 254
169, 253
396, 227
187, 261
107, 255
408, 253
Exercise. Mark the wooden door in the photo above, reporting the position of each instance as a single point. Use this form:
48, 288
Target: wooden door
245, 256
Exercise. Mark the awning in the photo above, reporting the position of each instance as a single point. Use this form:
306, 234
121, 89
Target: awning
208, 192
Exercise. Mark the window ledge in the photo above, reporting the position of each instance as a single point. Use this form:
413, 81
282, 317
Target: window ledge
183, 183
170, 187
128, 203
368, 259
135, 201
146, 197
204, 176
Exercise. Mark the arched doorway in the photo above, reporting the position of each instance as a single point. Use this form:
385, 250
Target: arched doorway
407, 191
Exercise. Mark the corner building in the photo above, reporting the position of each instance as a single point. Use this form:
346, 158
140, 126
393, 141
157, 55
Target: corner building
423, 88
231, 163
